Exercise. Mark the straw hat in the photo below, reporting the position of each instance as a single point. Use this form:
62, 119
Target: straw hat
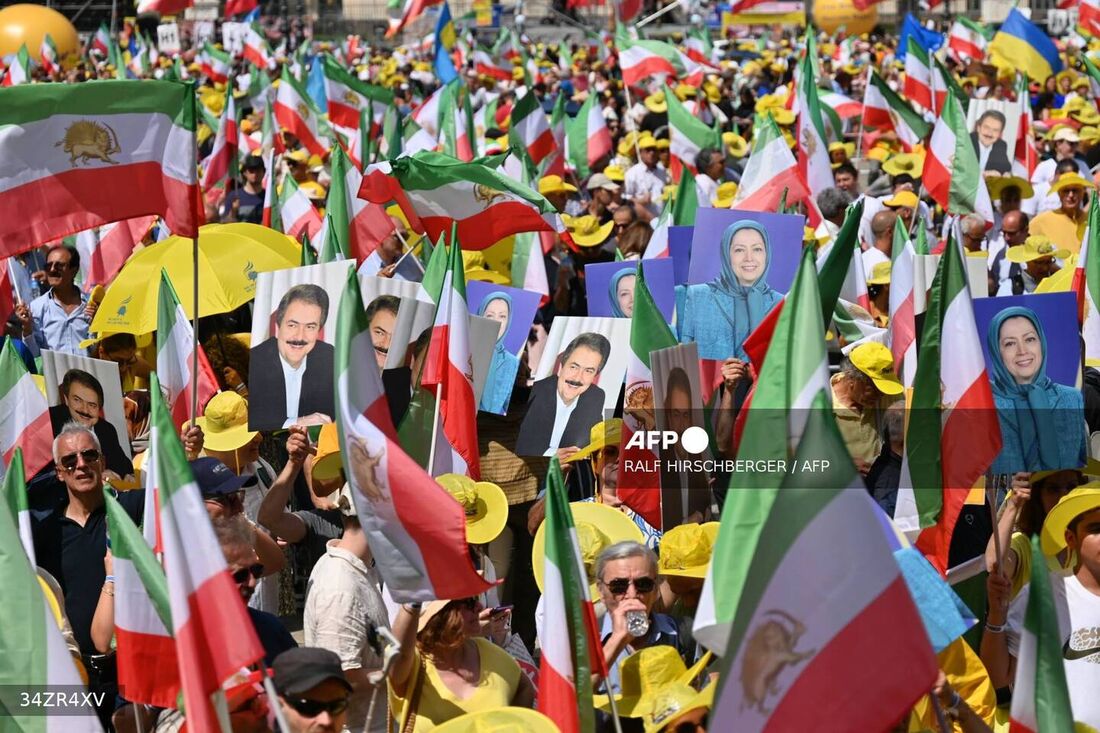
225, 424
1035, 247
327, 464
598, 527
656, 102
1082, 499
500, 720
484, 504
735, 144
587, 231
686, 550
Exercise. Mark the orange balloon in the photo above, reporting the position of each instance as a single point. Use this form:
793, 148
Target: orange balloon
29, 24
831, 15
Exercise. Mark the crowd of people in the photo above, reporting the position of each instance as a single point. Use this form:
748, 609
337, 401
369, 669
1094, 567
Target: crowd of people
342, 654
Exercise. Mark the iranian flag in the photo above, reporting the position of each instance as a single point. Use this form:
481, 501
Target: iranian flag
844, 106
698, 47
256, 51
271, 216
347, 96
213, 631
485, 64
1040, 695
411, 10
104, 250
448, 368
101, 41
884, 109
571, 649
418, 533
969, 39
687, 133
366, 223
903, 312
222, 160
555, 163
1026, 158
1088, 16
456, 129
88, 154
658, 242
177, 358
35, 655
427, 114
47, 54
147, 665
215, 64
640, 59
771, 170
639, 473
15, 494
439, 191
918, 75
296, 211
528, 268
530, 129
1086, 284
814, 166
953, 434
20, 70
587, 139
163, 7
24, 414
952, 175
295, 113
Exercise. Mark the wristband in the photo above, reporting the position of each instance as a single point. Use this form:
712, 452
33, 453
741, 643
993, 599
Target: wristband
995, 628
109, 579
413, 608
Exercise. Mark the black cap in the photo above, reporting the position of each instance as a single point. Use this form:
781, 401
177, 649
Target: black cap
216, 479
253, 162
302, 668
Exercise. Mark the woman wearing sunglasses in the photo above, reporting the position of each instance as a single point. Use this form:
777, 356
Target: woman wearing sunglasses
445, 669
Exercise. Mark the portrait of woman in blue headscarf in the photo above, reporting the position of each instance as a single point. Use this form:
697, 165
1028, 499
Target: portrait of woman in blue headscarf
620, 290
1042, 422
505, 365
719, 314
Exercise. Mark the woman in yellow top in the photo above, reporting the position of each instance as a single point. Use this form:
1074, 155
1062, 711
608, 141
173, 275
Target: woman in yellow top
445, 669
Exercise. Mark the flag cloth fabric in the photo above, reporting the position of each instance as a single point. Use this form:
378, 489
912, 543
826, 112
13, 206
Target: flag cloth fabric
884, 109
587, 138
554, 165
147, 665
24, 414
448, 366
295, 113
256, 50
639, 59
528, 268
1088, 16
1026, 158
20, 70
486, 65
686, 203
445, 38
35, 654
15, 494
455, 126
952, 175
222, 160
953, 434
571, 648
366, 224
968, 39
639, 472
928, 39
239, 7
47, 54
270, 217
844, 106
902, 324
698, 47
347, 96
530, 129
1086, 284
417, 534
771, 169
104, 250
658, 243
1040, 695
688, 134
296, 211
814, 166
176, 356
438, 190
412, 10
163, 7
101, 41
213, 631
1022, 45
918, 75
214, 64
131, 152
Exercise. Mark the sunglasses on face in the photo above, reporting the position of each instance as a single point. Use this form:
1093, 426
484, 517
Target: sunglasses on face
227, 500
468, 604
69, 462
57, 266
619, 586
313, 708
241, 576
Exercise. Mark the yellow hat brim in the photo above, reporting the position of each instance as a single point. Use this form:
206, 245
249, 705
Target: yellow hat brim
1069, 507
225, 440
596, 238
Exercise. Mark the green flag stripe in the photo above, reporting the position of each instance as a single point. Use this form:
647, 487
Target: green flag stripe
27, 103
428, 171
172, 463
127, 543
1052, 705
648, 330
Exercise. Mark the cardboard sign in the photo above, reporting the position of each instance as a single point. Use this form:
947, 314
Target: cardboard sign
168, 38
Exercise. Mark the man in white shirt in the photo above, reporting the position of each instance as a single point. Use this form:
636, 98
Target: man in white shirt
646, 180
882, 229
383, 260
711, 166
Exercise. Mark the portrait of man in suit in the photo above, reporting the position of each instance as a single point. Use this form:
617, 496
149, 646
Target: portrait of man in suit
563, 407
987, 139
82, 401
293, 369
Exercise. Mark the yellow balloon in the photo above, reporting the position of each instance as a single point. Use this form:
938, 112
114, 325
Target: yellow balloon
831, 15
29, 24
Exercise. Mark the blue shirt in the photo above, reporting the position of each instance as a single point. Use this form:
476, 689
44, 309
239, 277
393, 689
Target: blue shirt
662, 630
56, 330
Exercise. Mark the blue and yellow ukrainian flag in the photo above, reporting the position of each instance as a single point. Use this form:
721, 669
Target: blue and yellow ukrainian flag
445, 39
1022, 44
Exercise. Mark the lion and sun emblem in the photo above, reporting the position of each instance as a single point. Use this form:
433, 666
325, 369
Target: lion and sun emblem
88, 140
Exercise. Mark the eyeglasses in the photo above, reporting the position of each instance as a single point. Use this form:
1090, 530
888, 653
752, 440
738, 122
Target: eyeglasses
467, 603
313, 708
619, 586
241, 576
227, 500
69, 462
57, 266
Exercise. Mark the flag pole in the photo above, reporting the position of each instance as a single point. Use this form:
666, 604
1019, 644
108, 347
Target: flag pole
859, 140
649, 19
435, 432
195, 329
269, 688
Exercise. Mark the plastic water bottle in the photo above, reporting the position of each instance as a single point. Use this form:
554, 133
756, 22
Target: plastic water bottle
637, 623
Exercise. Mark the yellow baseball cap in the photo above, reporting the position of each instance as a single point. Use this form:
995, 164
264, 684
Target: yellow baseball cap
876, 361
902, 198
555, 184
880, 273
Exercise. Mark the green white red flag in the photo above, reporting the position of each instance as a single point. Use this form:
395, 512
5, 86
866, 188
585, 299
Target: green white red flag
554, 165
918, 74
348, 96
884, 109
214, 64
771, 170
814, 166
213, 631
571, 649
530, 129
903, 312
15, 494
271, 215
952, 175
587, 138
84, 155
658, 242
24, 414
296, 211
176, 358
969, 39
528, 268
256, 50
104, 250
687, 134
222, 161
456, 123
51, 61
295, 112
20, 70
640, 59
417, 532
1086, 284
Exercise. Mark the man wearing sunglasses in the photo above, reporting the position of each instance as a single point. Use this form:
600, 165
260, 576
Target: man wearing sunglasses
312, 689
59, 318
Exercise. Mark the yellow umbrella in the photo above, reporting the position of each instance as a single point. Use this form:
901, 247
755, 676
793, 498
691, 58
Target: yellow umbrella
230, 256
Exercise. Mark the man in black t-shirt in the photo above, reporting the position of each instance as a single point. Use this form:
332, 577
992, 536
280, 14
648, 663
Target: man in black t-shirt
246, 203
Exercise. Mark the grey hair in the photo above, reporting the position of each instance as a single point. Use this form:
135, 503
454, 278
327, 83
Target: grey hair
74, 428
833, 202
704, 158
970, 221
893, 422
622, 551
848, 370
233, 530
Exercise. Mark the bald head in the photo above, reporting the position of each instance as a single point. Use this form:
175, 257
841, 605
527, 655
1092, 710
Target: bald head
1014, 227
882, 229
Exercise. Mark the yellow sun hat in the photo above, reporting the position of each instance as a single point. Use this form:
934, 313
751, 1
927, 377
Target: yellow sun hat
646, 140
723, 197
848, 148
783, 117
670, 702
604, 433
663, 143
615, 173
587, 231
484, 504
626, 144
598, 527
499, 720
225, 422
656, 102
644, 673
997, 184
735, 144
1035, 247
1070, 180
1082, 499
327, 464
686, 550
904, 163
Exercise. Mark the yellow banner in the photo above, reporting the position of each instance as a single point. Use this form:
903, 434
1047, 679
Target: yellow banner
483, 12
732, 19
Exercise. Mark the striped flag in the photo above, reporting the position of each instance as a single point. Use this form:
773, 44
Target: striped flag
101, 41
131, 152
658, 242
295, 113
903, 327
1086, 284
953, 433
147, 667
1026, 158
222, 161
698, 47
417, 534
883, 109
844, 106
20, 70
104, 250
176, 356
530, 129
486, 65
448, 367
296, 211
571, 649
968, 39
528, 268
587, 138
412, 10
214, 64
347, 96
814, 166
213, 632
24, 414
771, 170
952, 175
15, 494
554, 165
1040, 695
640, 59
688, 134
918, 75
51, 61
256, 50
271, 216
35, 654
456, 131
427, 114
1088, 16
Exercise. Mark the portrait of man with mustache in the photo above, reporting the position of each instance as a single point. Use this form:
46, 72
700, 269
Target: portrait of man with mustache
565, 406
293, 369
82, 400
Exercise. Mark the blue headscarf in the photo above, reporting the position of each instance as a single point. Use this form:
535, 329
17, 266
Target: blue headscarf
1031, 408
613, 290
497, 295
750, 302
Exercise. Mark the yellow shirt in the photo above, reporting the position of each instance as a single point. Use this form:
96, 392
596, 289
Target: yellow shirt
496, 686
1064, 232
